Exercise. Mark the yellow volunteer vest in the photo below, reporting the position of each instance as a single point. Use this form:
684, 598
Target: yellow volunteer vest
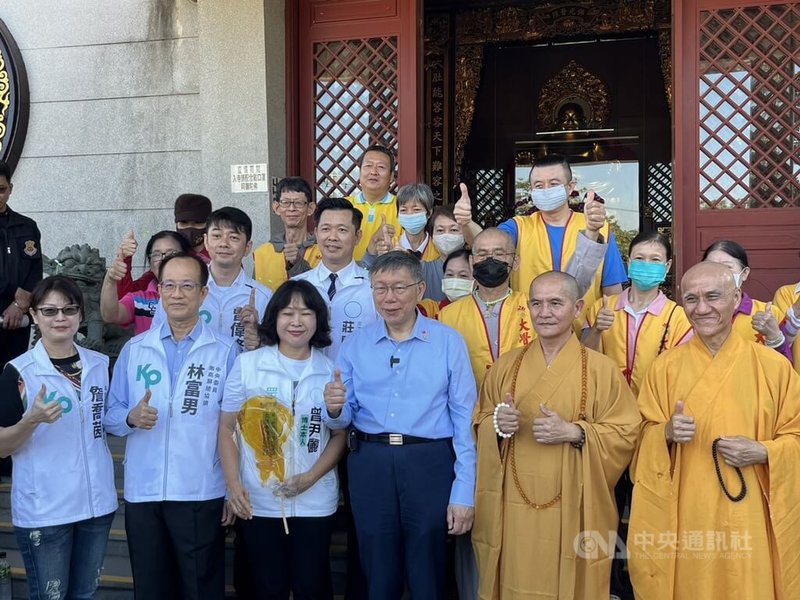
656, 334
431, 252
784, 298
372, 220
536, 255
270, 269
515, 329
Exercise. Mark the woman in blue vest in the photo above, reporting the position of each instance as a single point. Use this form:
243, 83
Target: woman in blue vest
52, 401
280, 476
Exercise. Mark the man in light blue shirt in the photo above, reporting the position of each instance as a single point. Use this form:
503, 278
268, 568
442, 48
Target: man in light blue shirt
406, 386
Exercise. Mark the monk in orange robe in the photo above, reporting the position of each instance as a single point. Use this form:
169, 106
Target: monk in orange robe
716, 497
556, 425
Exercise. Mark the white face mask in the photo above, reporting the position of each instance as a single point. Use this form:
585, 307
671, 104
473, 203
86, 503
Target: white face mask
549, 198
455, 287
737, 278
448, 242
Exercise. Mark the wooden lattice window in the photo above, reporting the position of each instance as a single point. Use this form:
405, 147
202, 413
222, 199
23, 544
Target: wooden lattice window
659, 193
355, 105
750, 107
489, 189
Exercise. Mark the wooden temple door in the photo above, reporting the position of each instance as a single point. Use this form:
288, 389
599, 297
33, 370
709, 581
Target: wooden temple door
358, 68
737, 134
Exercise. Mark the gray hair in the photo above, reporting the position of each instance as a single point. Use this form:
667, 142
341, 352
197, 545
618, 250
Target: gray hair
416, 191
396, 260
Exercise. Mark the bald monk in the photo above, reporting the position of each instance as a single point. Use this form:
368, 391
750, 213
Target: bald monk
725, 526
556, 425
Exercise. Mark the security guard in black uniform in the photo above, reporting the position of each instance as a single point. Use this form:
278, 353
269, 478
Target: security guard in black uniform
20, 269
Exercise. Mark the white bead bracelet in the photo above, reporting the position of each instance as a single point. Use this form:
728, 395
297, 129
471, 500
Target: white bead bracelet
496, 425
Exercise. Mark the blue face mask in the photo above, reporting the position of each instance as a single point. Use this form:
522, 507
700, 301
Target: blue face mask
414, 223
549, 198
646, 275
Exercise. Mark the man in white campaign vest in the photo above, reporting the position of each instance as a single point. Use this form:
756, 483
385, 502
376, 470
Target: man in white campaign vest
165, 396
228, 241
343, 284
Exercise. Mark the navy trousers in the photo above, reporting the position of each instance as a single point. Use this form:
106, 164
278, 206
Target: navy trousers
400, 496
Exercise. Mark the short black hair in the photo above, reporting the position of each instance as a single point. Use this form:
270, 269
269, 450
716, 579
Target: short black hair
456, 254
5, 170
731, 248
60, 284
166, 233
235, 218
646, 237
383, 150
200, 265
294, 184
549, 160
268, 330
338, 204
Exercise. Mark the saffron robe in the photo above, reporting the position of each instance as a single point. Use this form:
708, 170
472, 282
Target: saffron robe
657, 332
784, 298
686, 539
535, 554
514, 324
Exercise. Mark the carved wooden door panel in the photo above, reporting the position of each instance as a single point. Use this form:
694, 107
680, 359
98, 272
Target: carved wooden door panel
358, 73
737, 134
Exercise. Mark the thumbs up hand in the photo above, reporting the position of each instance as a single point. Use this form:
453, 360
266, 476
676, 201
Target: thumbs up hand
248, 317
462, 210
381, 240
41, 411
765, 323
605, 317
290, 253
335, 395
595, 213
508, 417
681, 427
552, 429
129, 245
143, 416
118, 268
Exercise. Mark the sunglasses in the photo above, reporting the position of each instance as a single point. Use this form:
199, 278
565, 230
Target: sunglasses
51, 311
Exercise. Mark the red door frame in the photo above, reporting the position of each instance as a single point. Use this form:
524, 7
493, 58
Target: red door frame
769, 234
310, 21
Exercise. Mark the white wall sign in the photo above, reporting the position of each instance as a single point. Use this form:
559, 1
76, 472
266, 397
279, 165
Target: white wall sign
249, 178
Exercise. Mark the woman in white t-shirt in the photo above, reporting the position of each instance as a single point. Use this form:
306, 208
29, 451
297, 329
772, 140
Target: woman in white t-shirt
278, 455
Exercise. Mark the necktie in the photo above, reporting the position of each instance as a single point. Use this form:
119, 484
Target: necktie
332, 286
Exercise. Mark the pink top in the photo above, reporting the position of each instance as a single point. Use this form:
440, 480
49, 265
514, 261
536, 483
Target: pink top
141, 307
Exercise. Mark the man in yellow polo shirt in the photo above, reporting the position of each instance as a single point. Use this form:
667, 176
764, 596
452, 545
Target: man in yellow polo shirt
376, 203
547, 239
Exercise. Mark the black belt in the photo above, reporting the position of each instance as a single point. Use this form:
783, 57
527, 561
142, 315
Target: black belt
395, 439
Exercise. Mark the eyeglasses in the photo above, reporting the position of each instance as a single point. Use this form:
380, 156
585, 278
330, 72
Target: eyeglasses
187, 287
70, 310
156, 256
293, 203
498, 254
398, 289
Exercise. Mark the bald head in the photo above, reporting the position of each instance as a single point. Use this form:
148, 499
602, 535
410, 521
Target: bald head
566, 282
491, 238
709, 273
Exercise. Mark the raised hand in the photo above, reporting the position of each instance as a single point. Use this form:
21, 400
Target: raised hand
43, 412
681, 427
595, 212
143, 416
290, 253
248, 317
605, 317
765, 323
462, 210
508, 417
129, 245
335, 395
118, 268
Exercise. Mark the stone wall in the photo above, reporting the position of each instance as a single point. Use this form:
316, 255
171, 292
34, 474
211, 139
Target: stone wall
135, 102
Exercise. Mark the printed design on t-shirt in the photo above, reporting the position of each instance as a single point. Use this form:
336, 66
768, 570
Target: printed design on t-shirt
144, 307
266, 425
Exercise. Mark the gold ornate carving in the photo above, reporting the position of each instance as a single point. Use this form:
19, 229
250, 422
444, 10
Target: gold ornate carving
573, 99
482, 25
469, 60
665, 54
5, 98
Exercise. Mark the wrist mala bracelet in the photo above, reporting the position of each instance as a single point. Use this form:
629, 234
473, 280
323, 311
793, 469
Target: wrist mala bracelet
579, 445
497, 429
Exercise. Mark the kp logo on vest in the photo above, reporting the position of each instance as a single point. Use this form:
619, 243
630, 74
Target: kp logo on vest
65, 402
150, 377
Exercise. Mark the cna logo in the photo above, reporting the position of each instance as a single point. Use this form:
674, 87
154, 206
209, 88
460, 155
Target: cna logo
66, 403
592, 545
150, 376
